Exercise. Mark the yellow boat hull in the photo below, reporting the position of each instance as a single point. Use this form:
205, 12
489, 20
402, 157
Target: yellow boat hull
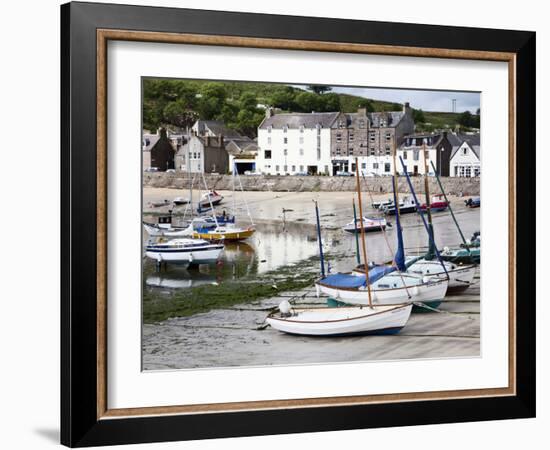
237, 235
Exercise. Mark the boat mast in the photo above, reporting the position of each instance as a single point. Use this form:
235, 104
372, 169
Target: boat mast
450, 208
399, 257
431, 252
419, 211
357, 254
363, 243
189, 176
319, 239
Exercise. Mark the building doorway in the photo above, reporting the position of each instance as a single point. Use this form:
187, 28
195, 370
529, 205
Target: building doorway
312, 170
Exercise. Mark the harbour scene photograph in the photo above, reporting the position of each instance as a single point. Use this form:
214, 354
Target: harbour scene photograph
290, 224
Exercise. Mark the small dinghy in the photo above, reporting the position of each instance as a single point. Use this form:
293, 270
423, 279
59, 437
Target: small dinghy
342, 321
156, 229
380, 204
474, 202
369, 224
184, 251
178, 201
159, 204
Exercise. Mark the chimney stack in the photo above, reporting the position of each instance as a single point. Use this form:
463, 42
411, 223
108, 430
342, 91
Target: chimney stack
406, 107
207, 140
362, 111
162, 132
220, 140
269, 112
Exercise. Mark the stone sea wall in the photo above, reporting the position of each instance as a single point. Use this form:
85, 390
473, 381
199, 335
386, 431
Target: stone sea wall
180, 180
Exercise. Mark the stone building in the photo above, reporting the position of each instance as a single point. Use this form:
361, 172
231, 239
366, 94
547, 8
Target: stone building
157, 151
371, 137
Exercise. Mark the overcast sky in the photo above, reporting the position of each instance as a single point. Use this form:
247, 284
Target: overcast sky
440, 101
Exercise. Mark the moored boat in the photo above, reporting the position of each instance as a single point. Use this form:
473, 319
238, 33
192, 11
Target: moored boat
460, 276
228, 232
184, 251
437, 204
342, 321
211, 198
369, 224
406, 206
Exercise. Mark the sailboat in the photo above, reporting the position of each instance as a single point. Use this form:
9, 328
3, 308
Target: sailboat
184, 251
469, 252
460, 277
227, 231
342, 321
383, 284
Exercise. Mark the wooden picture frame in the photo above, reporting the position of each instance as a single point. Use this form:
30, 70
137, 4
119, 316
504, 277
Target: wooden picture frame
85, 417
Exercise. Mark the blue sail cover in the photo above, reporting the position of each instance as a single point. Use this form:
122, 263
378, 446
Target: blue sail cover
346, 280
400, 253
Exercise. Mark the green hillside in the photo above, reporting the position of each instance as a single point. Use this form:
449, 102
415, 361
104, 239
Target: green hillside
178, 103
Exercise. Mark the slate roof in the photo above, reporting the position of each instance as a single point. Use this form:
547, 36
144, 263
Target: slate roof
242, 146
392, 118
473, 141
217, 127
296, 120
149, 141
435, 137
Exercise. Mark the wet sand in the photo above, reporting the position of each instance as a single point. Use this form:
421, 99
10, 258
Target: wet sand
230, 336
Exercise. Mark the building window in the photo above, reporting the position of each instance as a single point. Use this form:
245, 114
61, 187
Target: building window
465, 151
269, 128
351, 150
267, 166
351, 136
326, 170
301, 152
285, 128
372, 136
476, 171
375, 165
363, 165
388, 150
338, 151
341, 124
301, 139
372, 151
405, 154
285, 151
269, 140
338, 137
468, 171
388, 136
415, 155
277, 169
361, 123
301, 128
293, 168
285, 169
301, 168
387, 167
267, 154
285, 140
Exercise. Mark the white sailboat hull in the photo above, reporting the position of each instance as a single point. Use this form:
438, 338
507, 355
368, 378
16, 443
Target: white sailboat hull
343, 321
431, 291
460, 277
186, 256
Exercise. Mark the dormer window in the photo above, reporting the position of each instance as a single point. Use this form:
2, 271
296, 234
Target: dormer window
361, 124
269, 128
301, 128
285, 128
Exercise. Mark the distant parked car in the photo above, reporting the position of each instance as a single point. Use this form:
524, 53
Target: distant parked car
342, 173
152, 169
251, 173
170, 170
301, 174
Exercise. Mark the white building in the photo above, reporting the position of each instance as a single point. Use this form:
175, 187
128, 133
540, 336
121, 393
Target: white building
466, 157
295, 143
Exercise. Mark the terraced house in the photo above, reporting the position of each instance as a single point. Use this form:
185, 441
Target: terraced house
328, 143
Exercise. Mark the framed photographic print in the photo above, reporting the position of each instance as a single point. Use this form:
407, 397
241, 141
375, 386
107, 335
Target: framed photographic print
273, 224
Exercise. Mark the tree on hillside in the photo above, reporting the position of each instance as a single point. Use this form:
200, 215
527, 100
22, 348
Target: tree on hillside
179, 114
418, 116
396, 107
282, 97
308, 101
465, 119
319, 88
331, 102
211, 101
